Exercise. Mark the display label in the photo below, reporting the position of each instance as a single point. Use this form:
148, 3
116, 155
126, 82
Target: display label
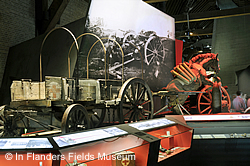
151, 124
77, 138
25, 143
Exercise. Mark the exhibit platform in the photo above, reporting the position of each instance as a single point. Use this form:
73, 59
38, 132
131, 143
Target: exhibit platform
151, 142
220, 139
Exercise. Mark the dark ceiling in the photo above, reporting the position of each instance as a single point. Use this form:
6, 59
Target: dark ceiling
197, 16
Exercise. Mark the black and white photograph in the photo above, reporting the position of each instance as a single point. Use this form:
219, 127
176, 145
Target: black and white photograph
138, 42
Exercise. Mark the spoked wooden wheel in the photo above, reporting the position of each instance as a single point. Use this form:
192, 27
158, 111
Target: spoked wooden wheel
226, 102
1, 126
129, 38
205, 100
8, 123
75, 118
154, 50
136, 101
97, 116
2, 120
8, 126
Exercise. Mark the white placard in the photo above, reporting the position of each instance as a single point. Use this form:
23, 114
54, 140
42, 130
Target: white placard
25, 143
151, 124
77, 138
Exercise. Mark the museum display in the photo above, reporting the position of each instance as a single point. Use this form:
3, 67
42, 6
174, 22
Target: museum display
140, 143
112, 88
192, 76
118, 71
73, 100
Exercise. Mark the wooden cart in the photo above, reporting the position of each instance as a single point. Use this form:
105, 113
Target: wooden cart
80, 103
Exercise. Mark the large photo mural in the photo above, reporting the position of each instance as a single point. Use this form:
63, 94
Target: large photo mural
128, 38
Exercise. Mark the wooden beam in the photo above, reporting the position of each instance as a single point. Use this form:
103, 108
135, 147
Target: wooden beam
56, 9
41, 7
155, 1
215, 14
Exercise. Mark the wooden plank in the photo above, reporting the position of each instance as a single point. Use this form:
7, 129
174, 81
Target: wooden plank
215, 14
27, 90
41, 7
38, 103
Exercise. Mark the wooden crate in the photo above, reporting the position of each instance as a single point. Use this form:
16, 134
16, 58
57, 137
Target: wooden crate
27, 90
56, 88
89, 90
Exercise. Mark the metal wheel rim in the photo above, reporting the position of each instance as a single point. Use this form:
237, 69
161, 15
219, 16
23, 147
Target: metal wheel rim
138, 105
226, 96
208, 97
128, 37
1, 127
153, 51
75, 118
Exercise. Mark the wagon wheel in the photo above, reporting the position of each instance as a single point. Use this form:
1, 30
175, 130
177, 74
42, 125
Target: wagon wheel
2, 120
8, 125
154, 50
136, 101
205, 100
129, 38
1, 126
226, 102
97, 116
75, 118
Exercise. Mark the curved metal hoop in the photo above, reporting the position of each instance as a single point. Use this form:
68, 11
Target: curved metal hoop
91, 47
63, 28
105, 59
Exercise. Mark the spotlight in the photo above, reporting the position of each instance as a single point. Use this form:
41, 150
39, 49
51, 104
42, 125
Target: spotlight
189, 33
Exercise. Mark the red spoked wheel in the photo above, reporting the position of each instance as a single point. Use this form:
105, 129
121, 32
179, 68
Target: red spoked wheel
205, 100
226, 101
